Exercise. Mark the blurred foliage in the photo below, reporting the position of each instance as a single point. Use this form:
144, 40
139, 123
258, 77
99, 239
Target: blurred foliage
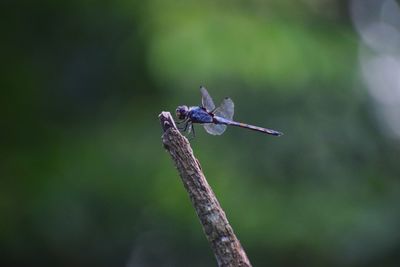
85, 180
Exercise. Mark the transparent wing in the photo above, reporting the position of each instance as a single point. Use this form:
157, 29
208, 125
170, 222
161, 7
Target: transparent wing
206, 99
215, 129
226, 109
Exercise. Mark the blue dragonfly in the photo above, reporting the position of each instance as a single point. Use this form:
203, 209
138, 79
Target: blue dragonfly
214, 120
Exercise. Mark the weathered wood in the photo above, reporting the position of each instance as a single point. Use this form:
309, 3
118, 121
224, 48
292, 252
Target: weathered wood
226, 247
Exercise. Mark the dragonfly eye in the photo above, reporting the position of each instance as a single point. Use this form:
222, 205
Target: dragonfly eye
181, 112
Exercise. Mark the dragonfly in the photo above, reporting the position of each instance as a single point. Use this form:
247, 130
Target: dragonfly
215, 120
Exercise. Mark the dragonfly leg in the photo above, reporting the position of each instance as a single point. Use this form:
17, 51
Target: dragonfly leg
186, 126
190, 132
182, 125
194, 134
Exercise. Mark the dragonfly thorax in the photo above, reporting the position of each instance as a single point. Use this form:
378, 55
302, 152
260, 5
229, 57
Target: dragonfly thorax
182, 112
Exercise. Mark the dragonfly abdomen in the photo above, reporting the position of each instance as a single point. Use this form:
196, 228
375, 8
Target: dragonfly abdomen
220, 120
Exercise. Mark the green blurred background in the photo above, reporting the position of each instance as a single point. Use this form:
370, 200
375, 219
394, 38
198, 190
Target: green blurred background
85, 180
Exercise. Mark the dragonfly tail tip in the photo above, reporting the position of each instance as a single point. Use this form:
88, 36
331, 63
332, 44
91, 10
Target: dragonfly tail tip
276, 133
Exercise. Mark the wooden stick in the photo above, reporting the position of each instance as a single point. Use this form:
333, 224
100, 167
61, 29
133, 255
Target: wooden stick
226, 247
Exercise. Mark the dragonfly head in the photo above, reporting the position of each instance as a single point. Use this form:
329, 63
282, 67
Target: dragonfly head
182, 112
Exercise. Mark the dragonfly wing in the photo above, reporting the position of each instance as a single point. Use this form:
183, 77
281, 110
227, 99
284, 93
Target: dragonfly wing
206, 99
226, 109
215, 129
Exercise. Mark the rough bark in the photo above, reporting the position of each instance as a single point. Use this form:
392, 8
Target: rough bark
226, 247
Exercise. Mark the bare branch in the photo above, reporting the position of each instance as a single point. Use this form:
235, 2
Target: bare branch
226, 247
